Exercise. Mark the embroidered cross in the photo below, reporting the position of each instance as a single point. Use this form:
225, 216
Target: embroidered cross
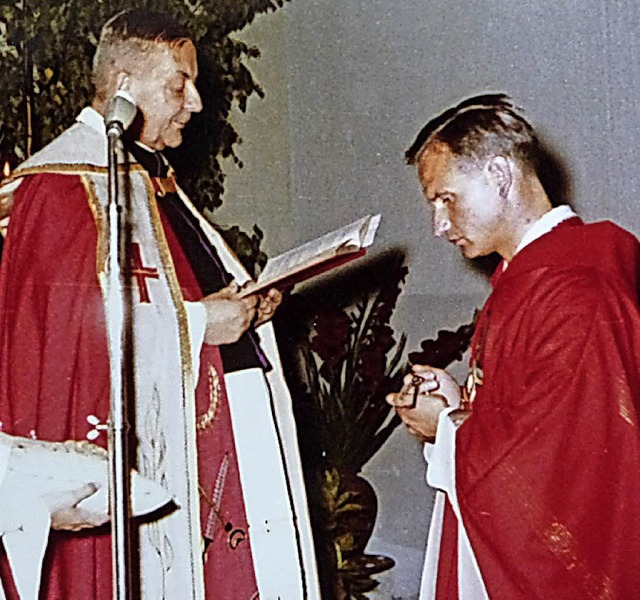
141, 273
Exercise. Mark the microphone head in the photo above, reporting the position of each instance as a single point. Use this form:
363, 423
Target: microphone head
121, 111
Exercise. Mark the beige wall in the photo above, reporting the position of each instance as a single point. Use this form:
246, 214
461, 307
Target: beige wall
260, 192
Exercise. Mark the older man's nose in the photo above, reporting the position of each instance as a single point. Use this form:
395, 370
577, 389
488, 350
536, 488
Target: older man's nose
193, 102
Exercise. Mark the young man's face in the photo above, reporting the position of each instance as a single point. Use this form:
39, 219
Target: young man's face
467, 207
165, 92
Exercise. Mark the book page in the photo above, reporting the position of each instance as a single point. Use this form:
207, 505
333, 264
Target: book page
354, 236
310, 259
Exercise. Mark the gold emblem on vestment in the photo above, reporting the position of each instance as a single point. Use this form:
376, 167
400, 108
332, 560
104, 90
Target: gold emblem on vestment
470, 388
205, 420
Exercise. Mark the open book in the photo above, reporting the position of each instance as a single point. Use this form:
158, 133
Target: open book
315, 257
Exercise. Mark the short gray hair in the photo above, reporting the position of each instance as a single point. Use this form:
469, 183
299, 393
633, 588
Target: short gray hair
128, 36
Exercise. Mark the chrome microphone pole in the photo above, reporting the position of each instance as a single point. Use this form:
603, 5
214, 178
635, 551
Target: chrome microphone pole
120, 114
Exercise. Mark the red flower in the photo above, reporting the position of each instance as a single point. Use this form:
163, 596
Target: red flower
332, 333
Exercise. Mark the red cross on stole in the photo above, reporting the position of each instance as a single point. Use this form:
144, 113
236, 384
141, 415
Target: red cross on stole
140, 272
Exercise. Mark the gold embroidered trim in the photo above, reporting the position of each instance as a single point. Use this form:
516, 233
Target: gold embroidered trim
470, 389
172, 281
561, 543
164, 185
102, 249
557, 537
69, 169
206, 419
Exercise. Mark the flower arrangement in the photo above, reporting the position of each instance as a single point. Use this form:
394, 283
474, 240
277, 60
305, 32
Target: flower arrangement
347, 362
350, 363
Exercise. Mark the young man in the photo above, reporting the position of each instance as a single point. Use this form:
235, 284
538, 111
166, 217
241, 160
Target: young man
536, 457
212, 417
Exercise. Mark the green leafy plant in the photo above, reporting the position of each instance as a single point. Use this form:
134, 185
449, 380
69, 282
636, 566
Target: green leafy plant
347, 509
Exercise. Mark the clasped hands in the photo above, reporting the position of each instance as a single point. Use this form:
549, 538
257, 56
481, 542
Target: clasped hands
434, 390
229, 315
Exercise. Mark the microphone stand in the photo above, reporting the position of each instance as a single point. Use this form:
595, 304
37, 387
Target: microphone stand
117, 120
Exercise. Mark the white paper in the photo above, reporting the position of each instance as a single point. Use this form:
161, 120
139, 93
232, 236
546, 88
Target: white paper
356, 235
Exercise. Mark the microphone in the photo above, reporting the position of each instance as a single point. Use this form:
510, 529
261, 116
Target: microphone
120, 113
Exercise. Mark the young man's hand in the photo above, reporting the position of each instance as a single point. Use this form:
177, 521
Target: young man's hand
426, 392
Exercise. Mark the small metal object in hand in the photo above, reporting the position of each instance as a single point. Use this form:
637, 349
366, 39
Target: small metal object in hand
416, 381
408, 395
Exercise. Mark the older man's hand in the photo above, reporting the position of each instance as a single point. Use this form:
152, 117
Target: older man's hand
68, 516
267, 306
228, 315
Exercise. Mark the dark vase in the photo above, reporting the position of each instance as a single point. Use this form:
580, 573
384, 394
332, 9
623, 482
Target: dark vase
356, 571
359, 523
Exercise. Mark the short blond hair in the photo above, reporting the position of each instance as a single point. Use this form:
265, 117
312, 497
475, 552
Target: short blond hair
479, 128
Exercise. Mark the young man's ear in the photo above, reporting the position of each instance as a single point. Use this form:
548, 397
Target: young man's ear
500, 170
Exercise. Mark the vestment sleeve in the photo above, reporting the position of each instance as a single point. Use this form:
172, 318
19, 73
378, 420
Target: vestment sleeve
441, 474
54, 369
440, 457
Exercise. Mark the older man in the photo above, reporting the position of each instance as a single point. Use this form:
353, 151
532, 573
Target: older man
212, 420
536, 456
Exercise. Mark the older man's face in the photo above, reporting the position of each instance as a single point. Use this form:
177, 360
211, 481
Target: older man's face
165, 92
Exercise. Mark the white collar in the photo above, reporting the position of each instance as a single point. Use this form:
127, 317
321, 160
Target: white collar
147, 148
91, 117
545, 224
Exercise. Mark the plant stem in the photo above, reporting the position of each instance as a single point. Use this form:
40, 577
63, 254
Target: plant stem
27, 81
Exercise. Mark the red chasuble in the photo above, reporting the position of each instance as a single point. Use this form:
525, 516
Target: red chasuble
54, 373
54, 366
548, 464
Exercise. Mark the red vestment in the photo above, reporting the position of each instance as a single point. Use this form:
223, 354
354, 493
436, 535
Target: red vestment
53, 376
548, 464
54, 372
